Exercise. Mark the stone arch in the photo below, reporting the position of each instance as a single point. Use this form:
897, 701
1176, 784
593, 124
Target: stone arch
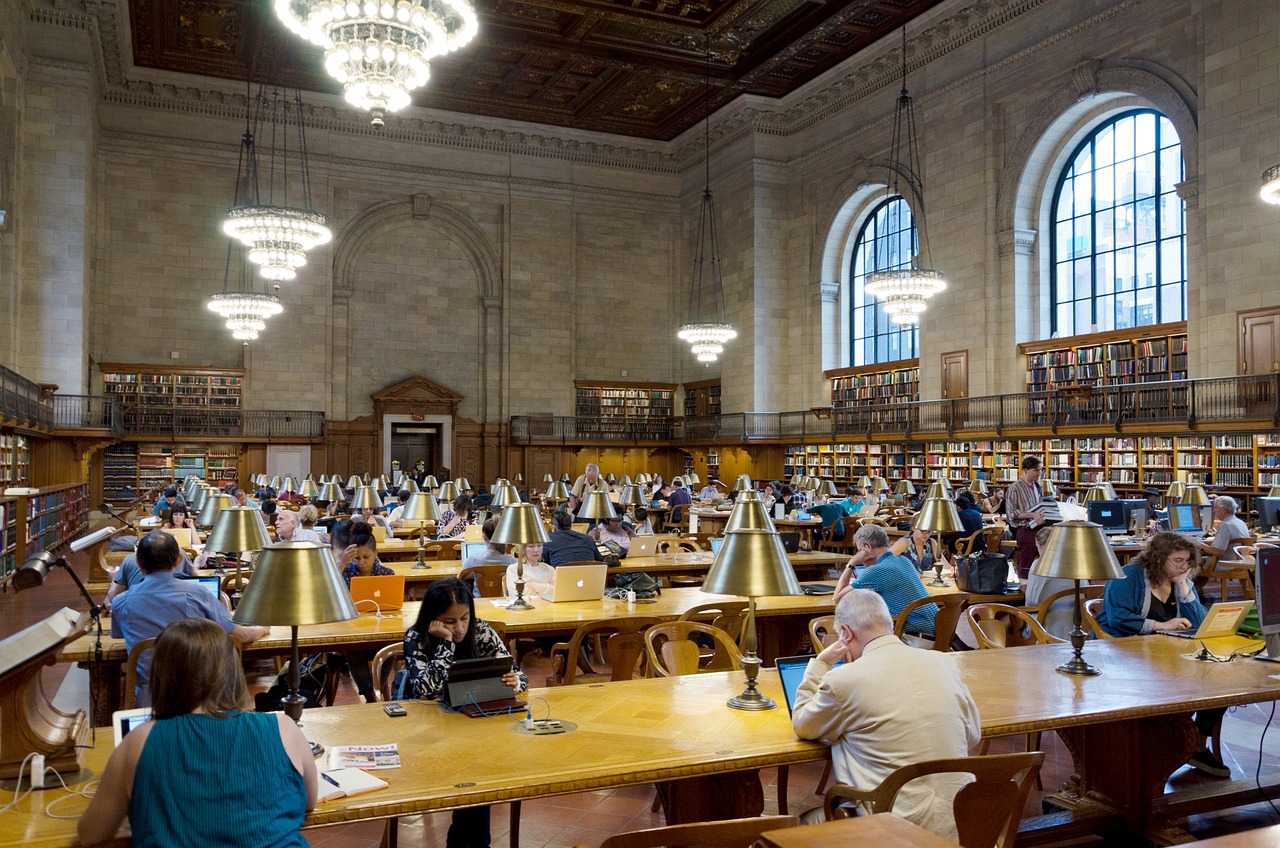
1096, 92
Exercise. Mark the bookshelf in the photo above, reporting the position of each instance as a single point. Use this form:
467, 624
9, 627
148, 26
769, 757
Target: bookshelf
870, 385
148, 385
8, 536
1267, 462
15, 460
702, 398
1137, 355
131, 469
624, 410
53, 517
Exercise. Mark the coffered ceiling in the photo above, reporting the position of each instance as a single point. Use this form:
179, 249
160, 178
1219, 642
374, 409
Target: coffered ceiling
633, 67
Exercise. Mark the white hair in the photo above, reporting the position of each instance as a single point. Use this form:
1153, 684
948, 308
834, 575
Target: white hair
873, 535
1227, 503
864, 612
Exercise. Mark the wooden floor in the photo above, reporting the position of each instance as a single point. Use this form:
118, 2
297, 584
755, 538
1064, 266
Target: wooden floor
587, 818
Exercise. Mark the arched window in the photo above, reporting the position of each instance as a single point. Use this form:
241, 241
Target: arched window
1119, 235
887, 241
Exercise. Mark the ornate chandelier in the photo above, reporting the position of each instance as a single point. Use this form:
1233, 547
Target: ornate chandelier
277, 234
906, 290
1271, 184
706, 331
380, 50
245, 312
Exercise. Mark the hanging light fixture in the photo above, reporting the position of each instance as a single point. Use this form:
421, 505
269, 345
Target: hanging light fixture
378, 49
905, 290
278, 235
1271, 184
244, 310
706, 330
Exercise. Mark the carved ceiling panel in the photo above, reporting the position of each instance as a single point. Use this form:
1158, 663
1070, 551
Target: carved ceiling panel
632, 67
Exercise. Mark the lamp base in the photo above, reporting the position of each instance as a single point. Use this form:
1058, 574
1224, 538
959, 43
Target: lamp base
420, 566
938, 581
1077, 665
751, 699
519, 604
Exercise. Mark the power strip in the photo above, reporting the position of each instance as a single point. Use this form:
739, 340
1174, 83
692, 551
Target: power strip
37, 771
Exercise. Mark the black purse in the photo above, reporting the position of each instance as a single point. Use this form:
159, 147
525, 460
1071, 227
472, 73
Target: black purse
983, 574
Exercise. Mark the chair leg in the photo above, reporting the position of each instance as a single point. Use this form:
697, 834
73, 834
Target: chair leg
514, 838
822, 781
986, 746
783, 773
1033, 744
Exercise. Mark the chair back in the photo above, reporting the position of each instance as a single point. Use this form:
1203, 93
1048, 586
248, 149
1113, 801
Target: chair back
1002, 626
672, 652
950, 607
729, 616
822, 632
625, 647
966, 545
1087, 593
490, 579
434, 551
688, 546
995, 535
383, 668
1089, 614
730, 833
131, 671
987, 811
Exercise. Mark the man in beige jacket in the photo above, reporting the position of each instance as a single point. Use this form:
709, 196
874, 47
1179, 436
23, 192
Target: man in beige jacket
888, 706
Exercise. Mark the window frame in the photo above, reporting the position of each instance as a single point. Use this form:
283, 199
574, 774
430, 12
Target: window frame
908, 334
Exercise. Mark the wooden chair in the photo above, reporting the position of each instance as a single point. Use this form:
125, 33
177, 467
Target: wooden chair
966, 545
131, 672
879, 522
1087, 593
950, 606
436, 551
1239, 570
490, 579
730, 833
1092, 607
1003, 626
729, 616
672, 652
383, 668
625, 646
822, 632
995, 536
839, 537
987, 811
229, 585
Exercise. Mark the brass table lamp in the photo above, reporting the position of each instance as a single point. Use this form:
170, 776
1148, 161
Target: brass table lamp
938, 489
463, 484
295, 583
430, 482
238, 529
864, 482
275, 482
1196, 495
752, 564
408, 484
420, 509
1078, 550
548, 479
749, 514
521, 524
1047, 488
354, 482
624, 480
1274, 492
978, 487
940, 516
448, 492
505, 496
309, 489
905, 490
365, 498
596, 506
330, 493
827, 488
879, 485
213, 504
743, 484
557, 493
1095, 493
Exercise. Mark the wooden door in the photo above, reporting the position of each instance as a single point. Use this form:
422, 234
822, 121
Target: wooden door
955, 385
1260, 341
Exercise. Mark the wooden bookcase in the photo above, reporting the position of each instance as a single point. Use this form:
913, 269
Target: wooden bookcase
48, 519
1267, 460
150, 385
702, 398
15, 460
880, 384
1136, 355
624, 410
132, 468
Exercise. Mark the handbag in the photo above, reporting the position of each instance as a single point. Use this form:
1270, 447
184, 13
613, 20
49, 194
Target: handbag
642, 584
983, 574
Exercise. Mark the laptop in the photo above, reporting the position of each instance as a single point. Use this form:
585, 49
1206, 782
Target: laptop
213, 584
473, 533
643, 546
379, 533
579, 582
1184, 519
791, 672
475, 687
383, 593
1222, 619
790, 542
123, 721
470, 549
185, 535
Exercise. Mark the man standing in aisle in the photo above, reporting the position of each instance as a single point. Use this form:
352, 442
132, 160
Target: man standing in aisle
1021, 505
591, 481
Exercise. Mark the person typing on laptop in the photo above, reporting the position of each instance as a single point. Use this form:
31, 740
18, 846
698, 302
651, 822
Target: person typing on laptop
360, 555
889, 705
1158, 593
567, 544
446, 631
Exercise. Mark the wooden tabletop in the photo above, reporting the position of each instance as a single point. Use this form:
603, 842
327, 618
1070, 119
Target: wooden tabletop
1262, 837
882, 831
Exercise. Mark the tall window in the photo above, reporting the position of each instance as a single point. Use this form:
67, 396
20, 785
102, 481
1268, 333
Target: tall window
886, 242
1119, 236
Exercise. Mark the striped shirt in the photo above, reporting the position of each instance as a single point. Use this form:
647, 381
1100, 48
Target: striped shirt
1021, 497
893, 578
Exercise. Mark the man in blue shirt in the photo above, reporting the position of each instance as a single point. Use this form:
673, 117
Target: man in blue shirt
567, 544
167, 502
160, 599
889, 575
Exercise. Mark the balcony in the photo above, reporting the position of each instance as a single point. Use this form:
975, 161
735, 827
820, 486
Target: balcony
197, 423
24, 404
88, 412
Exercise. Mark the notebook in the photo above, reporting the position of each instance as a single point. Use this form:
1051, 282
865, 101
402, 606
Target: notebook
1222, 619
342, 783
383, 593
122, 721
579, 582
185, 535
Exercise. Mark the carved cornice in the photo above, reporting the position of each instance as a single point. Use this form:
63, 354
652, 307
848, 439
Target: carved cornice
1189, 191
828, 292
1016, 242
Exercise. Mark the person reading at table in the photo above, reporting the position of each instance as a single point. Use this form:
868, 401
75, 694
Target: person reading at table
1158, 593
288, 528
613, 530
890, 575
567, 544
921, 549
889, 705
446, 631
205, 770
539, 577
454, 522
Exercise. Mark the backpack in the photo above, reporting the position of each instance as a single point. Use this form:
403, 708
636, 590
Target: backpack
311, 677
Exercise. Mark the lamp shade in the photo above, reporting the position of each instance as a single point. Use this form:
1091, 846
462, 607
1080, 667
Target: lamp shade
308, 489
610, 478
354, 482
197, 500
430, 482
978, 487
408, 484
878, 484
1095, 493
449, 491
938, 515
743, 484
365, 498
749, 514
237, 529
624, 480
596, 505
864, 482
295, 583
753, 495
520, 524
753, 564
565, 478
507, 495
632, 496
275, 482
463, 484
828, 488
518, 478
1078, 550
643, 479
1196, 495
904, 487
1047, 488
558, 491
548, 479
190, 487
420, 507
378, 485
1274, 493
330, 492
288, 484
937, 490
692, 479
213, 504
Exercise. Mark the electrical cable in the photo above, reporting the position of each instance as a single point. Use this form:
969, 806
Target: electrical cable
1257, 774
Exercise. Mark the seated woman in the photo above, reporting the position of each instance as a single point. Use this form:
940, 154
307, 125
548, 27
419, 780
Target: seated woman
921, 549
613, 530
1158, 593
539, 578
179, 518
447, 630
257, 764
454, 522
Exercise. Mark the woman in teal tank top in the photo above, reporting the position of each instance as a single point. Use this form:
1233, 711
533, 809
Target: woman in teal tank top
202, 755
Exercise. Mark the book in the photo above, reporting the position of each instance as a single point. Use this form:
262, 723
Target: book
342, 783
364, 756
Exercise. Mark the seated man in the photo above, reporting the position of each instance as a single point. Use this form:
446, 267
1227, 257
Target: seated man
678, 499
130, 574
888, 706
160, 598
241, 498
889, 574
288, 529
567, 544
167, 502
1230, 528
